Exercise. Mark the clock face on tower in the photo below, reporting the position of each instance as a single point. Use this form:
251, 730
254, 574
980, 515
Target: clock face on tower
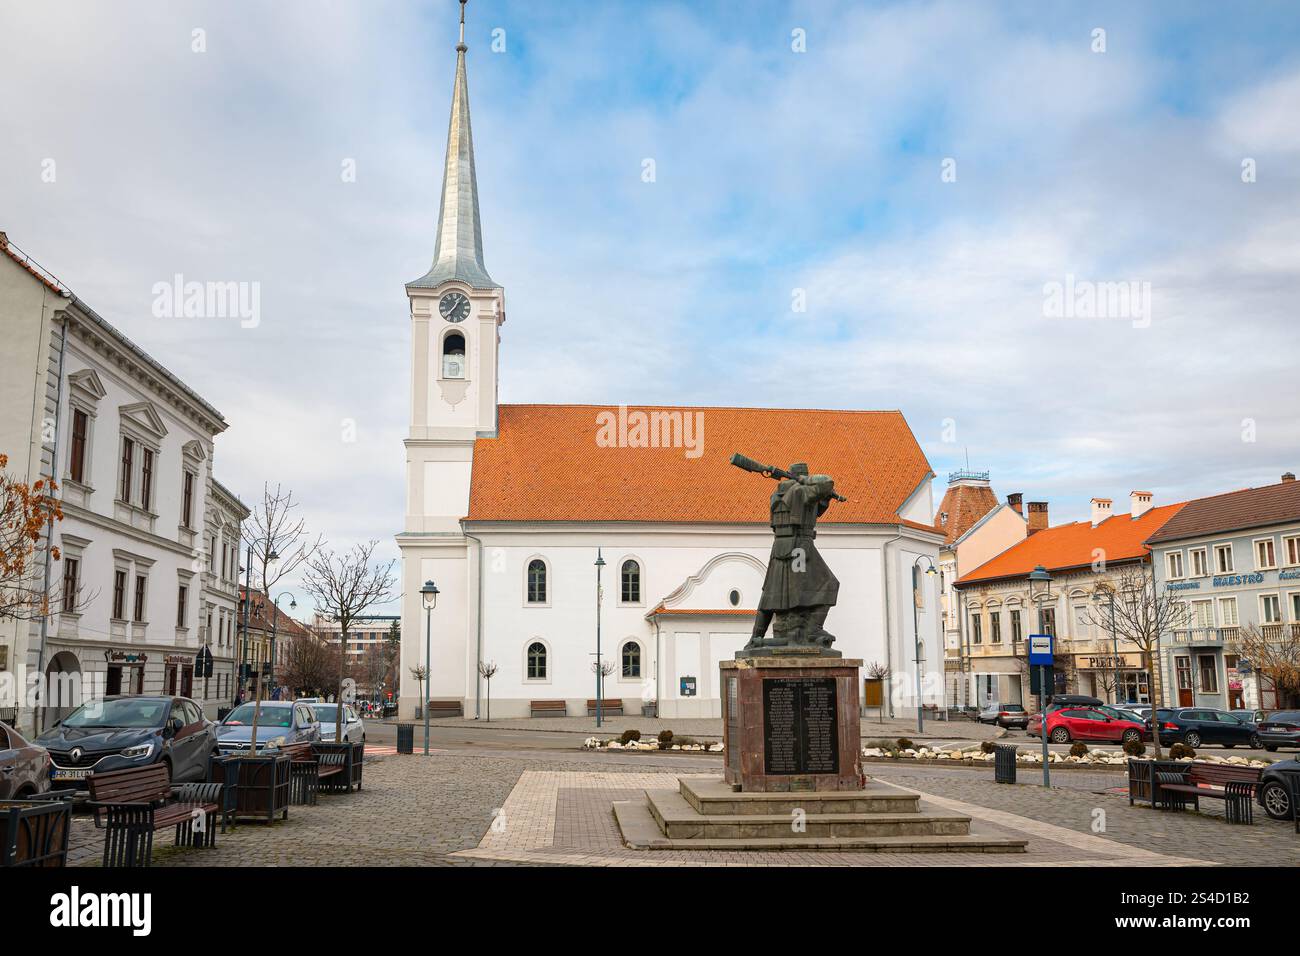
454, 307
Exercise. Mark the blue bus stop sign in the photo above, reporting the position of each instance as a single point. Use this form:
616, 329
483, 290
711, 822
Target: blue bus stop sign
1040, 650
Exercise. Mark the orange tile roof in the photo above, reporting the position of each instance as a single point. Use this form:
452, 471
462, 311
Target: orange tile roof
964, 505
1119, 538
546, 465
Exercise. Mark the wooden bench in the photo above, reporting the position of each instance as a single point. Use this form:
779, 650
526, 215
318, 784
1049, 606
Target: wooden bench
339, 764
446, 708
609, 707
1175, 789
131, 804
548, 708
305, 772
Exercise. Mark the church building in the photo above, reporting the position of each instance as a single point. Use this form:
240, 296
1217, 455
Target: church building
516, 511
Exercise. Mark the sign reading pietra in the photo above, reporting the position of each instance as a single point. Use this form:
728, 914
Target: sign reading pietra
800, 725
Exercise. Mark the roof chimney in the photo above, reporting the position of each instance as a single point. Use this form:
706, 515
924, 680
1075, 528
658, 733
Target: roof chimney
1100, 510
1139, 503
1037, 516
1289, 476
1014, 500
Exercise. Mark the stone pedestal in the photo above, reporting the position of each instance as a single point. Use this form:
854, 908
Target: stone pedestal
790, 723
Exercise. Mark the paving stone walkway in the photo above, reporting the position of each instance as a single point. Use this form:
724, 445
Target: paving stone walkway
530, 807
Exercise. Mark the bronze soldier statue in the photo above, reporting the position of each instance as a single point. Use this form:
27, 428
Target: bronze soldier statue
799, 589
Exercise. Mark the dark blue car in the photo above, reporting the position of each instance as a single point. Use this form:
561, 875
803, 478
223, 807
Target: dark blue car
1275, 788
1197, 726
117, 732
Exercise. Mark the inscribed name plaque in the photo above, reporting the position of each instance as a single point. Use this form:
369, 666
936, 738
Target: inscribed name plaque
800, 725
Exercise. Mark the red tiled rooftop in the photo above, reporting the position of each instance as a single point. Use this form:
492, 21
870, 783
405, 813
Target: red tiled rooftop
546, 465
1118, 538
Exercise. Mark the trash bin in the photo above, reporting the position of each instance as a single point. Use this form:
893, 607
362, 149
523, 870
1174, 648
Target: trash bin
1004, 764
405, 738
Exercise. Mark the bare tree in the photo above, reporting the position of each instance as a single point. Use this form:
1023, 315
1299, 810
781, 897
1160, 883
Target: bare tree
273, 529
881, 673
420, 672
345, 586
1142, 615
308, 665
487, 670
1275, 658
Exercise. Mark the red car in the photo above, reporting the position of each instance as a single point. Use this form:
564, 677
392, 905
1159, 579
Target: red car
1085, 723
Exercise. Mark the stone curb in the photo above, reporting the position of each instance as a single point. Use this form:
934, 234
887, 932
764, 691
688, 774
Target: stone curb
988, 764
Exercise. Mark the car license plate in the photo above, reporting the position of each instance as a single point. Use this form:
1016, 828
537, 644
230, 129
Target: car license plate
69, 774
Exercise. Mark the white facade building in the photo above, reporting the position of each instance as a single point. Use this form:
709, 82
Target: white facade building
131, 447
508, 507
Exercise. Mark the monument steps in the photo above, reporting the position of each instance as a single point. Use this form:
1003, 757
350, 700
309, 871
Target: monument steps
712, 795
640, 831
679, 820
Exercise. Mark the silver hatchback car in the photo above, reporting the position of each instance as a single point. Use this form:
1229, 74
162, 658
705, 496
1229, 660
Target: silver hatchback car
354, 728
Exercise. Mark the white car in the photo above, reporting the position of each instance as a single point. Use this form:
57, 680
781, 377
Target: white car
354, 729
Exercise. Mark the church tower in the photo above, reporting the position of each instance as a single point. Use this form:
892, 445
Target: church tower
456, 311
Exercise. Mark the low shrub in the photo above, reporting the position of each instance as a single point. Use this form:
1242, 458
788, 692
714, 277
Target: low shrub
902, 743
629, 736
882, 744
988, 747
1178, 751
684, 741
1134, 748
1079, 749
665, 739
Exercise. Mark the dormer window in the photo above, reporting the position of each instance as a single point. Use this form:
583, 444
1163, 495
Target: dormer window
453, 356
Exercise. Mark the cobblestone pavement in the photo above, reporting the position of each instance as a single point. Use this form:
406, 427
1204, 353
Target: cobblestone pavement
1074, 798
528, 807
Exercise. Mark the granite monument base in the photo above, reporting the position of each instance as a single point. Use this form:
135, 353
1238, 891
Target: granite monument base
790, 723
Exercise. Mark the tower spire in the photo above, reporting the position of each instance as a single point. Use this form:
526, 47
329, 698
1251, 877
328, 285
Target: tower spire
458, 252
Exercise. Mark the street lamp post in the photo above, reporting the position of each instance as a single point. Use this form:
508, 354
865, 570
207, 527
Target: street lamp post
275, 626
1040, 585
916, 632
429, 596
600, 675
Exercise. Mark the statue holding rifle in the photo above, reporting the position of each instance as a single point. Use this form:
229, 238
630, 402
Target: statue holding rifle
799, 589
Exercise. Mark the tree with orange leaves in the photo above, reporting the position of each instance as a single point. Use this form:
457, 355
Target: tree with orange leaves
26, 513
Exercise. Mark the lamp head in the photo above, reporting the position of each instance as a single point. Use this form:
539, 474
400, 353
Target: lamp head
429, 595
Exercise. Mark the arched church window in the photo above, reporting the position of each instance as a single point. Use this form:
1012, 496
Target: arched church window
453, 356
537, 661
631, 582
631, 659
537, 581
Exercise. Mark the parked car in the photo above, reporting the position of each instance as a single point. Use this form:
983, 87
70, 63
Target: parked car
1197, 726
1136, 707
1274, 790
1119, 712
279, 722
1281, 729
327, 715
1061, 701
1249, 716
118, 732
1004, 715
24, 767
1085, 723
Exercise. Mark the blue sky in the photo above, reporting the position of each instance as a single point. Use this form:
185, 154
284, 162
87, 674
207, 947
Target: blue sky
776, 171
